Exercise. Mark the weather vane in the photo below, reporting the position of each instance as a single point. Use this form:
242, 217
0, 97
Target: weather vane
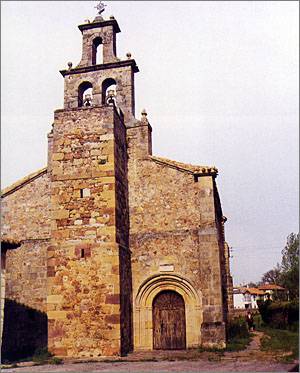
100, 7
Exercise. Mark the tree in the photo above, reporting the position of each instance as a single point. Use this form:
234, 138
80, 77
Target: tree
273, 276
290, 265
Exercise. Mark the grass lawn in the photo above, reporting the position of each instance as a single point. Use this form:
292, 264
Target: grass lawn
238, 343
281, 340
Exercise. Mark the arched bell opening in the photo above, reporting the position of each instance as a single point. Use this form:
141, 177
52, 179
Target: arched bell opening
85, 94
109, 91
97, 51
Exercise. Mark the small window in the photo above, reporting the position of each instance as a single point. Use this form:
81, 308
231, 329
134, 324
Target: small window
82, 253
85, 192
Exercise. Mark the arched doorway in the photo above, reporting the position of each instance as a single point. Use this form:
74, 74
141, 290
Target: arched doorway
143, 309
169, 330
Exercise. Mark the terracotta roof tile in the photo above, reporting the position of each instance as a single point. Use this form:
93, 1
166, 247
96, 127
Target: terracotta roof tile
195, 170
254, 291
271, 287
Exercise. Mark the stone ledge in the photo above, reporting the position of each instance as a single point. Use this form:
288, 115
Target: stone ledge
104, 66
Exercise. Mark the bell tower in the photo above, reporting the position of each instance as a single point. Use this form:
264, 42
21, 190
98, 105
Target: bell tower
89, 296
99, 37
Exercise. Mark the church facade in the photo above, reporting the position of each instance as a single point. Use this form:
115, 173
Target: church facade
119, 250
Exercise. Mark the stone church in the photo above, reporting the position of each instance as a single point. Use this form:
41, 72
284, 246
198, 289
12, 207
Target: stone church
110, 249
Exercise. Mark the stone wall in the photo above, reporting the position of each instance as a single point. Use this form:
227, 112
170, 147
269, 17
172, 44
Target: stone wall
25, 319
25, 209
122, 235
122, 75
106, 35
26, 275
26, 217
83, 260
173, 229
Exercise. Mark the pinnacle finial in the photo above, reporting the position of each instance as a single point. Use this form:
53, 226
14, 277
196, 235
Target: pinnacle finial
100, 7
144, 114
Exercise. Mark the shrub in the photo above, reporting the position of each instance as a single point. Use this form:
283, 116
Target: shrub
237, 328
279, 315
293, 312
263, 307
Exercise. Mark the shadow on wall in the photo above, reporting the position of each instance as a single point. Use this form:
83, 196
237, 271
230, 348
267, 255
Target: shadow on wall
24, 330
126, 302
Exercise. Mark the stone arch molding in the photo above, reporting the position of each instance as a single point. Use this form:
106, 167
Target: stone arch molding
143, 323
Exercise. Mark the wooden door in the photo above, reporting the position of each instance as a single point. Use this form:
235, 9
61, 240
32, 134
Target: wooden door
168, 321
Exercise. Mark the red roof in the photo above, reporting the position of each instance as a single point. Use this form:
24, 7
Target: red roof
271, 287
253, 291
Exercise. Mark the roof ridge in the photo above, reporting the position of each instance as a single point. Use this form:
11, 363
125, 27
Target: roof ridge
26, 179
193, 169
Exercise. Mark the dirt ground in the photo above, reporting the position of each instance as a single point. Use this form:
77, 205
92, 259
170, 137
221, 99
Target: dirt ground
249, 360
162, 366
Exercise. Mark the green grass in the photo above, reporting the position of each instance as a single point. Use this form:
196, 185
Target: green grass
233, 344
281, 340
237, 344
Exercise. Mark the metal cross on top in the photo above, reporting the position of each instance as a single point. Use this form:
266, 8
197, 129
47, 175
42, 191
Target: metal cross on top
100, 7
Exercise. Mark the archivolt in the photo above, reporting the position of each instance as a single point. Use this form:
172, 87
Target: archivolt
154, 284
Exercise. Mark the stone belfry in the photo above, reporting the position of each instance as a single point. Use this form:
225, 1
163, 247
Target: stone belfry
89, 296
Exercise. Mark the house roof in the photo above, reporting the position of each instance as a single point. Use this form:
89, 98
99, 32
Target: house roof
25, 180
271, 287
185, 167
253, 291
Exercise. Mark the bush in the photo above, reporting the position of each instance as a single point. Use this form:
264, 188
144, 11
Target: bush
279, 315
237, 328
263, 307
293, 312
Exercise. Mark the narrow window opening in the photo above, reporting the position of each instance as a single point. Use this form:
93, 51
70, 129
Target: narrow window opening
82, 253
97, 51
85, 94
81, 193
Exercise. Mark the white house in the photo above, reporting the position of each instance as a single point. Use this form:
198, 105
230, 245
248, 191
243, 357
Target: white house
244, 297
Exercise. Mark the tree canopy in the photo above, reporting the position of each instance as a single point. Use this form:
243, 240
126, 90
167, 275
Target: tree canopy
286, 274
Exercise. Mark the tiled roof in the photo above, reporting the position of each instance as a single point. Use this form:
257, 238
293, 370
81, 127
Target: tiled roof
253, 291
271, 287
23, 181
195, 170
